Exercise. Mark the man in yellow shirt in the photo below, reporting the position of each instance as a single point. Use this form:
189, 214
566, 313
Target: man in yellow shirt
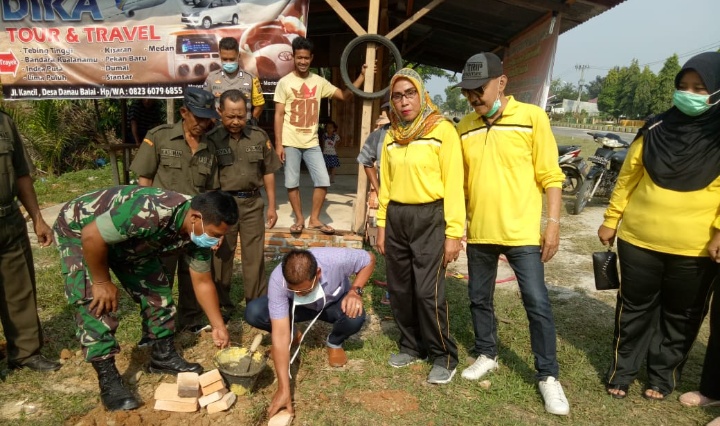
510, 159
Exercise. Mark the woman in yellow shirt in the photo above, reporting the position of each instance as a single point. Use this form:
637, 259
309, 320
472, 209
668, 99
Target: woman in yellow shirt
666, 202
420, 223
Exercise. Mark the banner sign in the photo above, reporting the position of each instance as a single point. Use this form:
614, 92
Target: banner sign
84, 49
529, 60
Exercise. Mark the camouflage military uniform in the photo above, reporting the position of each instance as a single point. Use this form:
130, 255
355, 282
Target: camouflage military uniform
166, 158
243, 163
18, 309
138, 224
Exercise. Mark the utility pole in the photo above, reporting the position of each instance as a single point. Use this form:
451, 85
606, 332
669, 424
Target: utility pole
582, 69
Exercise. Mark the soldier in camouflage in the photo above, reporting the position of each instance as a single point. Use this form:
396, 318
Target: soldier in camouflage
126, 229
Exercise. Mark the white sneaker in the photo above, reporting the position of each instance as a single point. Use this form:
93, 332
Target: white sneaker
552, 393
480, 367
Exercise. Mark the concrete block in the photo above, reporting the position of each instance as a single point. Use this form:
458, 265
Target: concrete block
188, 384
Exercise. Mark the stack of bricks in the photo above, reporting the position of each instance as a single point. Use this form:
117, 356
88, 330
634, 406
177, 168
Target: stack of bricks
280, 241
193, 391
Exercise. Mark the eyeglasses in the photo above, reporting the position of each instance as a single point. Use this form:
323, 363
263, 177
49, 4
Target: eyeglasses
479, 92
305, 290
410, 94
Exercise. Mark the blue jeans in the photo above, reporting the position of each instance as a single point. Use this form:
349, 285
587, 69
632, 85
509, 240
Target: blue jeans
530, 273
314, 161
257, 315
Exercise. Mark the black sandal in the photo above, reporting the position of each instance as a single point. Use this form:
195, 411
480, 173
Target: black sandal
622, 388
654, 398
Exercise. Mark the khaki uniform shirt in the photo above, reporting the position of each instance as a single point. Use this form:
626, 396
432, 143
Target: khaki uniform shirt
166, 158
13, 160
218, 82
243, 162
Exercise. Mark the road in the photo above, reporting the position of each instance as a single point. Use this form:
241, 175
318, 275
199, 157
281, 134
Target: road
582, 133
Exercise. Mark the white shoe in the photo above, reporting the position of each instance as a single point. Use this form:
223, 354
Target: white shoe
552, 393
480, 367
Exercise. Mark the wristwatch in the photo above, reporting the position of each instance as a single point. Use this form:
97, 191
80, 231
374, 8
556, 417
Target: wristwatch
358, 290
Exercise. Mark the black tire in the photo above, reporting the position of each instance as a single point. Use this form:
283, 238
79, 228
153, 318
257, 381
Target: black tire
367, 38
583, 195
573, 180
235, 20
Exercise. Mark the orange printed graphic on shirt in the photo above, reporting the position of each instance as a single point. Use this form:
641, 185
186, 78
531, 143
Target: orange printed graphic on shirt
304, 109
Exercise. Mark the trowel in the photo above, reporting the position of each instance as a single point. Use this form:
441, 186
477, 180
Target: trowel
246, 361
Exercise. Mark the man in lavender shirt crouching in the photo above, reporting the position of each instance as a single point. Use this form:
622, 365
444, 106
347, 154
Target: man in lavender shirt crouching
309, 285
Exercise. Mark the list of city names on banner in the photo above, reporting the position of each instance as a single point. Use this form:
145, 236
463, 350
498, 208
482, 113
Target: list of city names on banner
143, 48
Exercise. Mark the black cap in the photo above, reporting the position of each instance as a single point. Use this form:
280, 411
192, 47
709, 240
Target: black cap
480, 69
200, 102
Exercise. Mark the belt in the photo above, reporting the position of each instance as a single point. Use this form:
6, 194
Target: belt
8, 209
244, 194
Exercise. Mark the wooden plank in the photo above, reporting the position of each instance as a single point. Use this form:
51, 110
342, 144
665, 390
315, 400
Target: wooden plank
346, 17
411, 20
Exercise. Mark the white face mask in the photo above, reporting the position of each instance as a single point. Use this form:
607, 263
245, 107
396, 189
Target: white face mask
315, 294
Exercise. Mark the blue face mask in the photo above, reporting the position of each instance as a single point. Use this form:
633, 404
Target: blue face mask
494, 109
692, 104
204, 240
230, 67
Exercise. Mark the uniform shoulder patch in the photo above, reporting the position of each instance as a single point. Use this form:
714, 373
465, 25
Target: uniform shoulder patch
148, 141
269, 146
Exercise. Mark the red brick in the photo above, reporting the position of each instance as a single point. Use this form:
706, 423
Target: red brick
226, 402
275, 243
353, 238
285, 250
209, 377
298, 243
177, 407
213, 387
316, 244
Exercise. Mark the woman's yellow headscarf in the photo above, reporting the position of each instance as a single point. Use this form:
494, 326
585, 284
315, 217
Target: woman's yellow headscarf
405, 132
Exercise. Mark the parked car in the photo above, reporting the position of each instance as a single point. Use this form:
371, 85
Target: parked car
206, 13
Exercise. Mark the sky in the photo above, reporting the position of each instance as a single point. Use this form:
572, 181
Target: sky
647, 30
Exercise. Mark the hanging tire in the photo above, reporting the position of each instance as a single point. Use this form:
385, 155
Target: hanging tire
573, 180
583, 195
367, 38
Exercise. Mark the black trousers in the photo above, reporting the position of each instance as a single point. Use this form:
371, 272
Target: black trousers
662, 301
710, 380
414, 249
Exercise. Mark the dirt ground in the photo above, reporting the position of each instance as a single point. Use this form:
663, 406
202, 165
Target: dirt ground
571, 271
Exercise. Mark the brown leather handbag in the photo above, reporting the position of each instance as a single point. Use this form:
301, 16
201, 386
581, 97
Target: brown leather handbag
606, 270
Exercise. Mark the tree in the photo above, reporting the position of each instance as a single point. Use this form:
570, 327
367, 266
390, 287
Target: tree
438, 101
665, 86
594, 88
608, 97
643, 99
455, 103
567, 91
426, 72
629, 77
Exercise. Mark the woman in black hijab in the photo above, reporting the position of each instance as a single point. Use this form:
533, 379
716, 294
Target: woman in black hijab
667, 205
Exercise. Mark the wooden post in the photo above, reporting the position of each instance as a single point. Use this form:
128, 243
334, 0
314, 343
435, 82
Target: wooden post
367, 110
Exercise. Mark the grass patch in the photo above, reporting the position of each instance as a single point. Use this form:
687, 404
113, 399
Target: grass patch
61, 189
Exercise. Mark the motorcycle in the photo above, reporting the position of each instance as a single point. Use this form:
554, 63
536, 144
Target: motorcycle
574, 167
606, 163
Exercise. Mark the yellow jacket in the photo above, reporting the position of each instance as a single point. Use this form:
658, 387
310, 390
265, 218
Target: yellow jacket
660, 219
425, 170
507, 168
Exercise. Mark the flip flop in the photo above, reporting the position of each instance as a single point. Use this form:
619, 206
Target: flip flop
651, 397
296, 228
325, 229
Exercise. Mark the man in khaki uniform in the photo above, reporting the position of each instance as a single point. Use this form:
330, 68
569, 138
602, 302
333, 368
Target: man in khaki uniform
231, 76
246, 162
174, 157
18, 306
